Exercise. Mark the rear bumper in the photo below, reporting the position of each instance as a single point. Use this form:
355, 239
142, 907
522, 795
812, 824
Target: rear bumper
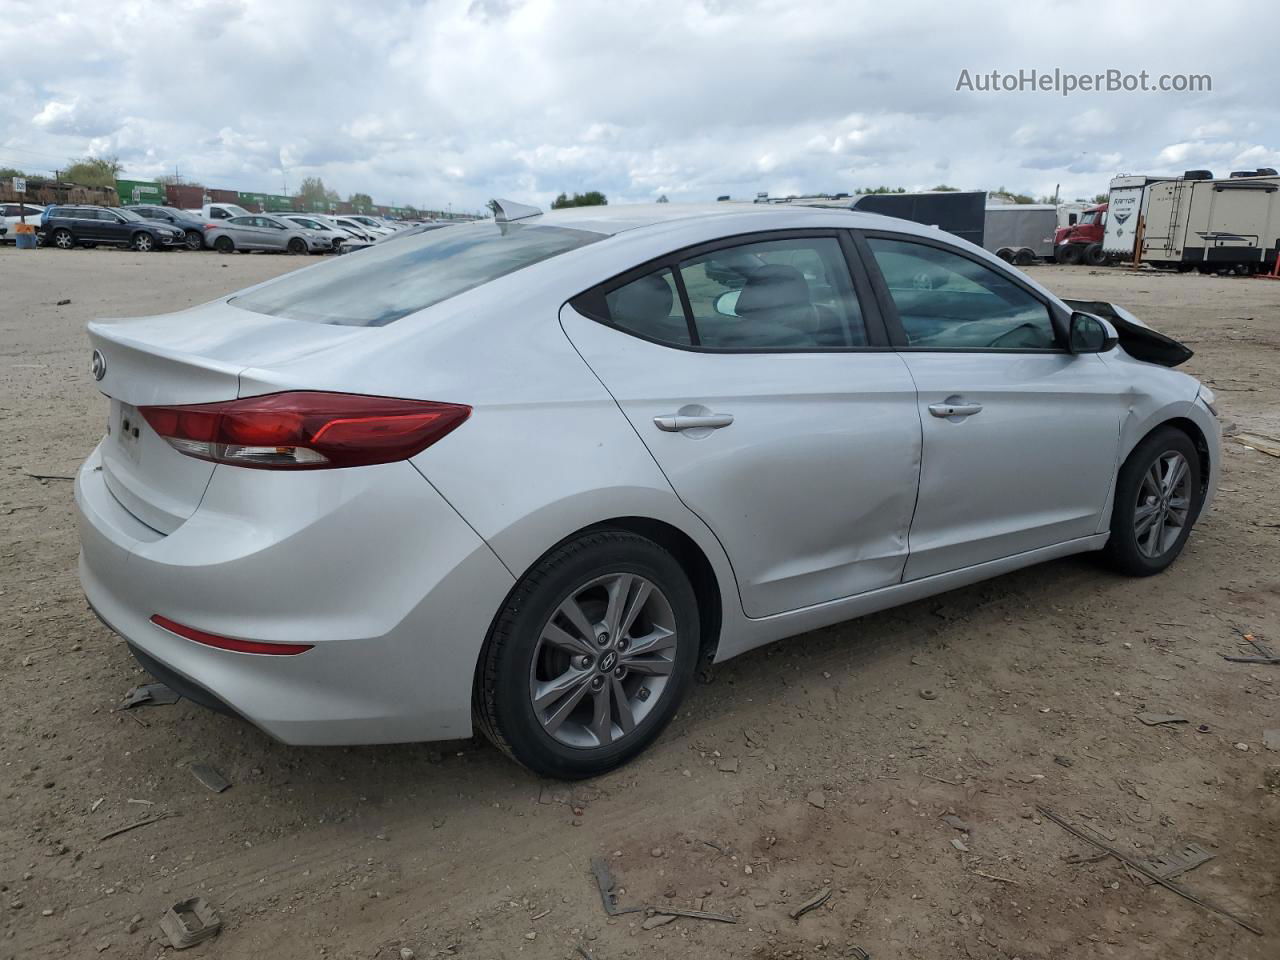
370, 565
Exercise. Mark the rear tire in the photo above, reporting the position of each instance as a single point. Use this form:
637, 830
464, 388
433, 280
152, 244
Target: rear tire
1094, 256
535, 693
1024, 258
224, 245
1157, 501
195, 240
63, 240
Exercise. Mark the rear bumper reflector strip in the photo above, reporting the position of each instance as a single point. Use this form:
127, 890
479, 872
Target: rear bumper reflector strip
230, 643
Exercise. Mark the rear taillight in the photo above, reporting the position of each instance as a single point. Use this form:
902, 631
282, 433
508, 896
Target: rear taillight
305, 430
210, 226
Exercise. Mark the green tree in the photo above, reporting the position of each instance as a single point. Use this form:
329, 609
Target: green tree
93, 171
1101, 197
361, 201
943, 188
592, 198
7, 172
883, 190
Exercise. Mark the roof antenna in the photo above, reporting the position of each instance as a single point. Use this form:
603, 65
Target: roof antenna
504, 211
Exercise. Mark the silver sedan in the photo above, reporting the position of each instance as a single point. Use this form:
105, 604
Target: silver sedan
262, 232
524, 475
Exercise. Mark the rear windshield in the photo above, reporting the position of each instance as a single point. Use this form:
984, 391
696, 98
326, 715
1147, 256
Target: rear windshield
379, 285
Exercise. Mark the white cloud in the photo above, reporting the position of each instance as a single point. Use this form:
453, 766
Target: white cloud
461, 100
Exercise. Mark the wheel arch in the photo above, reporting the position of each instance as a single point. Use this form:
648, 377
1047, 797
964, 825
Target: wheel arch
1198, 440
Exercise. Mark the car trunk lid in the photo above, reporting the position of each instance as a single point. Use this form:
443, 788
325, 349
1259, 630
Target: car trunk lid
195, 356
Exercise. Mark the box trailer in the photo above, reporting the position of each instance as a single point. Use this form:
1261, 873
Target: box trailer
1214, 224
961, 212
1020, 233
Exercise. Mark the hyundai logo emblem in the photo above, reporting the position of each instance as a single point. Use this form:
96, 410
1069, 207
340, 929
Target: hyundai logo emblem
99, 365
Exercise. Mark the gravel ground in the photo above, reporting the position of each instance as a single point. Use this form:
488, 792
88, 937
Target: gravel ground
813, 764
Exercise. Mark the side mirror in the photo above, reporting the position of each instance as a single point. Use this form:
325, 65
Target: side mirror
1090, 334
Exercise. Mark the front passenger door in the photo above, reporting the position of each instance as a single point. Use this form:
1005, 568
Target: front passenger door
1021, 437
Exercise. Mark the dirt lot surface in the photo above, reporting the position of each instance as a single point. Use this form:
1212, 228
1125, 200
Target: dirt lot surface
827, 761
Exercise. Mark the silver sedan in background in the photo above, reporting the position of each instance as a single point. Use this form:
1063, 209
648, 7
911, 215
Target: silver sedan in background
262, 232
524, 476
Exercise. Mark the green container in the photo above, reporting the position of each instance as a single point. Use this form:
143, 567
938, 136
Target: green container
140, 191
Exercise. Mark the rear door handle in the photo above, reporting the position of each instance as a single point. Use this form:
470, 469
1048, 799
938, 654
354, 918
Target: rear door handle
676, 423
945, 410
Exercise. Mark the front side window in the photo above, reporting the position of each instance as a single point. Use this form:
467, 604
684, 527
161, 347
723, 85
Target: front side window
946, 301
387, 282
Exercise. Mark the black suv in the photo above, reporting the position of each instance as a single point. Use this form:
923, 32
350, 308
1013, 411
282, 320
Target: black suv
188, 223
65, 226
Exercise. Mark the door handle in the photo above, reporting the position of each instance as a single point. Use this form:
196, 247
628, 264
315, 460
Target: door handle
676, 423
945, 410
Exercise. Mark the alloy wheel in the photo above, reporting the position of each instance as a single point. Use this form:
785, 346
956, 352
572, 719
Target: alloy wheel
63, 239
143, 243
603, 660
1164, 504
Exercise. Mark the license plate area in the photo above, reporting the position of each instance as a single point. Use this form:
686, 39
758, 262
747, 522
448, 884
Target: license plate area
126, 428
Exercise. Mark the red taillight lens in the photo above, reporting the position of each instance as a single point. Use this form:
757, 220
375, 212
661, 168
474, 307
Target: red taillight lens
305, 430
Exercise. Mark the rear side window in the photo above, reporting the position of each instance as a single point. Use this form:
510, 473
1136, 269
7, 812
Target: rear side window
789, 294
650, 307
386, 282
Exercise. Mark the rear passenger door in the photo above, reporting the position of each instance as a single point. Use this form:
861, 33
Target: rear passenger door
758, 374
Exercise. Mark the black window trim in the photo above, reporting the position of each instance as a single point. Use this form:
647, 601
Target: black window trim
1058, 319
590, 302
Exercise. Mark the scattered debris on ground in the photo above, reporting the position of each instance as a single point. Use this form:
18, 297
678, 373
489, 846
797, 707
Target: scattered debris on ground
189, 922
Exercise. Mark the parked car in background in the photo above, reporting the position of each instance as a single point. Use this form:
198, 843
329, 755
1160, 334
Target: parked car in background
359, 230
337, 236
373, 226
184, 221
257, 231
11, 214
220, 211
327, 505
69, 225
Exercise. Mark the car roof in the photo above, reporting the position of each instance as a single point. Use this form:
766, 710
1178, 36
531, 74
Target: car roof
610, 220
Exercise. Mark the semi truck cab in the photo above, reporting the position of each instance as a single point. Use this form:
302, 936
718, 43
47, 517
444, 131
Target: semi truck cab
1082, 241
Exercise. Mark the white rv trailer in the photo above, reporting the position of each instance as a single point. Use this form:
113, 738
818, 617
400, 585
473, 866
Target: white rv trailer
1020, 233
1214, 224
1126, 205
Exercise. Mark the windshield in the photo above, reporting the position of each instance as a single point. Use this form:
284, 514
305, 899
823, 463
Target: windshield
384, 283
127, 214
1091, 217
234, 210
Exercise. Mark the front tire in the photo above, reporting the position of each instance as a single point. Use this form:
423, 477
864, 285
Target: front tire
1094, 256
1069, 253
1158, 499
144, 243
297, 246
590, 657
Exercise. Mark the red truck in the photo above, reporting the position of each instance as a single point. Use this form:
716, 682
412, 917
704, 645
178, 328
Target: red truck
1081, 242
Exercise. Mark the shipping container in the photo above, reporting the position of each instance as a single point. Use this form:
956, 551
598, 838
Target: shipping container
140, 191
223, 196
185, 196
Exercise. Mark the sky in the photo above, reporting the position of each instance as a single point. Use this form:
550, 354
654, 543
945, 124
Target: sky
447, 103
